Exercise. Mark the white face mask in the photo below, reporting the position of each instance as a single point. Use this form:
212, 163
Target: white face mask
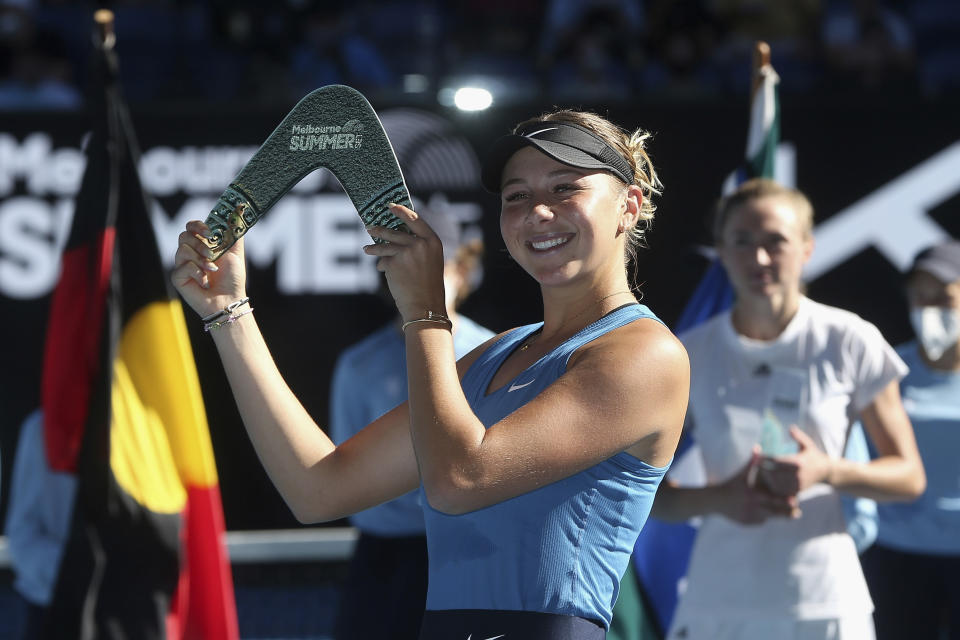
937, 328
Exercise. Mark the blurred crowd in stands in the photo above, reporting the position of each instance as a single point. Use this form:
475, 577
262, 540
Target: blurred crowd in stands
274, 52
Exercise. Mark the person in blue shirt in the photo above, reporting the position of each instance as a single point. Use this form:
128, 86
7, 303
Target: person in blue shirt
37, 525
539, 453
913, 567
860, 513
389, 562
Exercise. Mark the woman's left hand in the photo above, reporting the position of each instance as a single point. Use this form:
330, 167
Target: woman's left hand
412, 263
786, 475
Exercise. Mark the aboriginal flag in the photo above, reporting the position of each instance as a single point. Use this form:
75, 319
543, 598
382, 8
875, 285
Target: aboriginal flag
145, 557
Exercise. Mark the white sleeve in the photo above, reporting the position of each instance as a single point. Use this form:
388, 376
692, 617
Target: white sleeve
872, 363
688, 468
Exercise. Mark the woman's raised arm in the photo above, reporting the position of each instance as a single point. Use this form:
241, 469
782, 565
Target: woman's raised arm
318, 480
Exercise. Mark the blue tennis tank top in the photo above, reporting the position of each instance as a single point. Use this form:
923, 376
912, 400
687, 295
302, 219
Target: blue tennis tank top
562, 548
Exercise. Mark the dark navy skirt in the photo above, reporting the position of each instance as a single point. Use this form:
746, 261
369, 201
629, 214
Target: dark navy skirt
486, 624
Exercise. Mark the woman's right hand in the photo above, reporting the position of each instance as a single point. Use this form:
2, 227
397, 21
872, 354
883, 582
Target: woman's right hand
207, 286
743, 500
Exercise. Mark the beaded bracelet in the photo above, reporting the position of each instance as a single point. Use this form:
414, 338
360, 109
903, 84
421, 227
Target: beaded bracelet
210, 326
226, 315
432, 316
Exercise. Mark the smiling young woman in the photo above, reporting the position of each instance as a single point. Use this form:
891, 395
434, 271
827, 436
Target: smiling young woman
539, 453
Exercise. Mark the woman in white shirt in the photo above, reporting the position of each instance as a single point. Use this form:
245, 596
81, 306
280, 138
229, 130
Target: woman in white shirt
776, 383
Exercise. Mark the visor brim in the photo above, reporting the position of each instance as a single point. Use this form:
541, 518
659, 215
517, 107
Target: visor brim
504, 148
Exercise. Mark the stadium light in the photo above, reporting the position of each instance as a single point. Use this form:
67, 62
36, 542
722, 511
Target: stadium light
472, 99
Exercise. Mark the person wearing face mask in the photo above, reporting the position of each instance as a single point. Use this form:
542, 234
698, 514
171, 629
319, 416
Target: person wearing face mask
912, 569
776, 383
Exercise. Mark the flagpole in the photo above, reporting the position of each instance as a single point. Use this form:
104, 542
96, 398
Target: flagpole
105, 34
761, 59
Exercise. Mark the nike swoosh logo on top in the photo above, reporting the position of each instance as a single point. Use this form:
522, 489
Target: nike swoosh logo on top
502, 635
530, 135
514, 387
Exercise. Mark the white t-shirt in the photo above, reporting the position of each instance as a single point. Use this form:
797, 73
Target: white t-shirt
826, 367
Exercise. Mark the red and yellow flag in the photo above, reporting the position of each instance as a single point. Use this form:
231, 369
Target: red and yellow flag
146, 556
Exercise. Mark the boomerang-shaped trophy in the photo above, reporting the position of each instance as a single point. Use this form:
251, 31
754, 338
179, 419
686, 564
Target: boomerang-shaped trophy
332, 127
